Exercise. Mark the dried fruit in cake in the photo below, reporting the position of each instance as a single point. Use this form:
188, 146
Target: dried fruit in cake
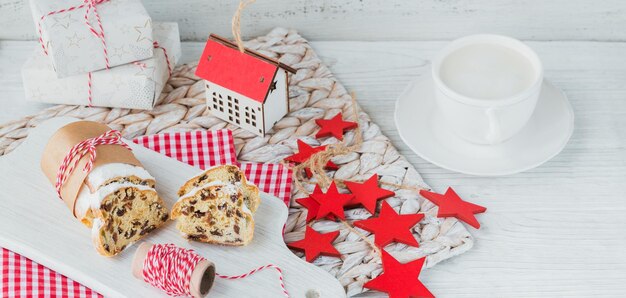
227, 174
119, 203
214, 213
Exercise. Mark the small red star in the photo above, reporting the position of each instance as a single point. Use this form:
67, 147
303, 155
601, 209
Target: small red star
451, 205
389, 226
367, 193
331, 202
334, 127
311, 205
400, 280
304, 153
315, 244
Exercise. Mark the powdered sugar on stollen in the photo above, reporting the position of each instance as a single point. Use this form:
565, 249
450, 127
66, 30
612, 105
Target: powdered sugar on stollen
104, 173
87, 200
227, 187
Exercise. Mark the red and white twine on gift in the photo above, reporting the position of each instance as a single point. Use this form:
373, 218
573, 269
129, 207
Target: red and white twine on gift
90, 6
76, 153
169, 268
156, 45
142, 65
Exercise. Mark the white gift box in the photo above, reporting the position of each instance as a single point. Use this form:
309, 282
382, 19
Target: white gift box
135, 85
72, 46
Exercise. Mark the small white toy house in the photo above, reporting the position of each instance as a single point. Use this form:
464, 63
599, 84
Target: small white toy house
247, 89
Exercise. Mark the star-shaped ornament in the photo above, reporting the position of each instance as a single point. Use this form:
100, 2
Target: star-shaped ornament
400, 280
334, 127
367, 193
451, 205
315, 244
304, 153
331, 203
311, 205
389, 226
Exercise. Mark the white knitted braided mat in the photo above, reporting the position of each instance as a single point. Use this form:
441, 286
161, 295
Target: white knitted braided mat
313, 93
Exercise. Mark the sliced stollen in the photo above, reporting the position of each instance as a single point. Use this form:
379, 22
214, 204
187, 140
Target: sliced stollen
120, 205
228, 174
214, 212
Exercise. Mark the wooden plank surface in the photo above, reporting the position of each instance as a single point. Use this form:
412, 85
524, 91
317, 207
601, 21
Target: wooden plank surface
557, 230
375, 19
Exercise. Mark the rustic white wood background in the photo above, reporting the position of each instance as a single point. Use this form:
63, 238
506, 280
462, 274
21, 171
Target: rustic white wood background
375, 20
557, 230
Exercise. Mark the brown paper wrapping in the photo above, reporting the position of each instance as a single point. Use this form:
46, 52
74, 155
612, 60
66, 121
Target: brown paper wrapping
67, 137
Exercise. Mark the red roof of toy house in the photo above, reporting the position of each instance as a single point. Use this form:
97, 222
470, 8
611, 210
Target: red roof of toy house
249, 73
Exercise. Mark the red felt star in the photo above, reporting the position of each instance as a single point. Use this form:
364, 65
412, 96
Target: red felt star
451, 205
389, 226
304, 153
311, 205
367, 193
315, 244
331, 202
400, 280
334, 127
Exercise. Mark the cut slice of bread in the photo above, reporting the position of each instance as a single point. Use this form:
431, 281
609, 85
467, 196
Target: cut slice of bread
126, 213
226, 174
118, 202
214, 213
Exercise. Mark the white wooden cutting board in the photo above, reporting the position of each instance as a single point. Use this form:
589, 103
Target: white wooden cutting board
36, 223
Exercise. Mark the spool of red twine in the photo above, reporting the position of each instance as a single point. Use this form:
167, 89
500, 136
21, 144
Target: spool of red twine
182, 272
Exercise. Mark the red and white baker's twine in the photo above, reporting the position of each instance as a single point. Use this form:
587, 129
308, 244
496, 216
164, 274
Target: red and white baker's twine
280, 276
76, 153
169, 268
156, 45
142, 65
89, 5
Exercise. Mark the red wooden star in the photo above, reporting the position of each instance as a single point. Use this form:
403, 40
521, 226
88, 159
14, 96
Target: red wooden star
334, 127
331, 202
311, 205
367, 193
315, 244
389, 226
451, 205
304, 153
400, 280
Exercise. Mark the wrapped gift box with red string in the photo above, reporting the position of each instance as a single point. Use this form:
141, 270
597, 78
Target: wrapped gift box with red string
135, 85
83, 36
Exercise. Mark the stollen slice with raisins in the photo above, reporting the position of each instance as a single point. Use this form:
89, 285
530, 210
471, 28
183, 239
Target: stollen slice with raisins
120, 205
226, 174
214, 212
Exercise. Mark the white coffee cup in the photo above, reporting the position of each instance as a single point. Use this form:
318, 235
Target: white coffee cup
487, 86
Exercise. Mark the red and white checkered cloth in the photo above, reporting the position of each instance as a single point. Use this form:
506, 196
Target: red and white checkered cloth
204, 149
199, 148
22, 277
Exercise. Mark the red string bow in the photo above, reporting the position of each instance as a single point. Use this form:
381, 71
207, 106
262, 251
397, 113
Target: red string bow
76, 153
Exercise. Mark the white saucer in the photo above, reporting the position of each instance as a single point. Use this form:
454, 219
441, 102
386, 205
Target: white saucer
420, 125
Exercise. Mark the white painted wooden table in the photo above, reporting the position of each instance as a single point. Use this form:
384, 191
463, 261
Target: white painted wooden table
557, 230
